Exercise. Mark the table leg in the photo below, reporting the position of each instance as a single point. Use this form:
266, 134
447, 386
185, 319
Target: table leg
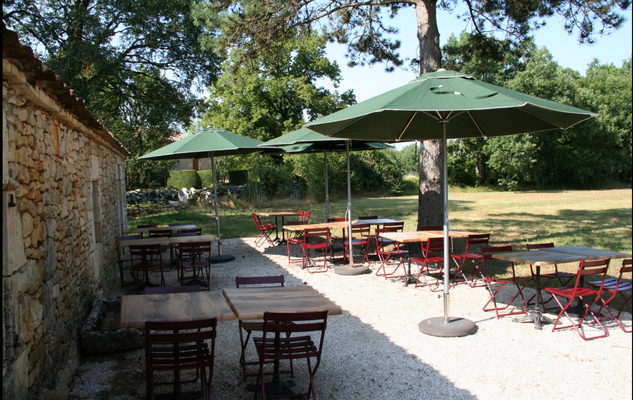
536, 315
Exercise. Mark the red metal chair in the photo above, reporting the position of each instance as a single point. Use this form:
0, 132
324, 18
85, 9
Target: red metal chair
497, 279
431, 263
614, 286
390, 258
470, 256
545, 278
180, 346
250, 326
272, 348
264, 232
306, 216
315, 239
596, 268
195, 257
360, 238
123, 256
147, 258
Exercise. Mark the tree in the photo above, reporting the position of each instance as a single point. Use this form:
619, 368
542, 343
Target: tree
134, 62
256, 25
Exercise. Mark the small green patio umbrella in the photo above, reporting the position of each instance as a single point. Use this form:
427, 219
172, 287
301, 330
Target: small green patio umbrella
424, 109
209, 142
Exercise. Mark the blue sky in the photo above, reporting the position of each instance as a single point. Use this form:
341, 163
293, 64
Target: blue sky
567, 52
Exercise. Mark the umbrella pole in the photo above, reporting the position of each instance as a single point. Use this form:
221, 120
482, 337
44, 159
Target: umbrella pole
220, 258
327, 189
445, 326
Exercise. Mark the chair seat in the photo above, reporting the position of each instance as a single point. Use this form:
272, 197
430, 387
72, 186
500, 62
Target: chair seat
291, 347
610, 285
569, 291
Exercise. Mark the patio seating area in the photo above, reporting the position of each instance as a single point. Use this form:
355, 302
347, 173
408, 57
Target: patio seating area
375, 349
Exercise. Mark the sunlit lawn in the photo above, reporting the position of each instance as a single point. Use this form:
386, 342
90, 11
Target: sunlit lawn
600, 219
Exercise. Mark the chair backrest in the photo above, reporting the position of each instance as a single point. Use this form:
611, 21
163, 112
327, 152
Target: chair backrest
146, 250
380, 242
477, 239
536, 246
368, 217
430, 228
131, 236
300, 216
194, 250
319, 235
146, 226
193, 350
188, 232
336, 219
597, 268
433, 245
487, 253
159, 233
293, 322
276, 280
258, 221
172, 289
306, 216
361, 231
394, 226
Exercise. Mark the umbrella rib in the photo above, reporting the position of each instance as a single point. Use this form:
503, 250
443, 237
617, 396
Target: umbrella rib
481, 132
406, 127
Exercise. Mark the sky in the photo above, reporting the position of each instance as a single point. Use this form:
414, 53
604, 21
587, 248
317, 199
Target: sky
370, 81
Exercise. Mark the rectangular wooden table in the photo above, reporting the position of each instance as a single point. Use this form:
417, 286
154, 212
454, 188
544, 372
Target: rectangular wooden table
136, 309
589, 253
144, 231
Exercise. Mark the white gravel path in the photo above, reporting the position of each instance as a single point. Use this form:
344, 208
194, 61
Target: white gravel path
374, 350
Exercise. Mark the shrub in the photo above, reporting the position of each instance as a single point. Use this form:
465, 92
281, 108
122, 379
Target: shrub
238, 177
206, 179
184, 179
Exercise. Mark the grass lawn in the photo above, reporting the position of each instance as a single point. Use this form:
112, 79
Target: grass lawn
600, 219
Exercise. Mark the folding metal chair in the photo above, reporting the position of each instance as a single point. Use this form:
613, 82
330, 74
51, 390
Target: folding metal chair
493, 279
195, 257
596, 268
315, 239
250, 326
546, 277
390, 258
272, 348
614, 286
475, 258
264, 232
180, 346
431, 263
147, 258
360, 239
123, 255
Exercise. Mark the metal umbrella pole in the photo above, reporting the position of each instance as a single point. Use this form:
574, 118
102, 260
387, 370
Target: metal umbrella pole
219, 258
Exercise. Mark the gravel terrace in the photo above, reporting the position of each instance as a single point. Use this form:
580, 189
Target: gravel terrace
374, 350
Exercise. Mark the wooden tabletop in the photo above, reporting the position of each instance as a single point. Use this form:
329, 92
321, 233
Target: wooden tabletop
136, 309
251, 303
280, 214
589, 253
422, 236
538, 257
162, 228
193, 239
168, 240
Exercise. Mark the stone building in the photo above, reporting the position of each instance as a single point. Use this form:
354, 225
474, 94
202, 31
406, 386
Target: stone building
63, 203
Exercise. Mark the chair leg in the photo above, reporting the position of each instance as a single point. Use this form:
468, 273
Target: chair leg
577, 325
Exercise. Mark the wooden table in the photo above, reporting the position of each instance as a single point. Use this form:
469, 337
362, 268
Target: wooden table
538, 258
253, 302
136, 309
419, 237
283, 215
589, 253
162, 228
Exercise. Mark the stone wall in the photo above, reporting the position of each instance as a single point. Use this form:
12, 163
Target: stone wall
63, 205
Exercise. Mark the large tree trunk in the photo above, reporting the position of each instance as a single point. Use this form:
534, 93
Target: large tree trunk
430, 210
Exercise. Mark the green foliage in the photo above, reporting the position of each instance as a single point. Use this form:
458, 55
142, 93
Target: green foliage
206, 179
238, 177
184, 179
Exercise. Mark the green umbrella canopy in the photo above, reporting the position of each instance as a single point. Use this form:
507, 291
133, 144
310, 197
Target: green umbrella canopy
308, 141
474, 109
207, 142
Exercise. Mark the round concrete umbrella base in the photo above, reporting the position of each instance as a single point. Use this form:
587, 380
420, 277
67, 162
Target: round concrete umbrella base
454, 328
221, 259
351, 270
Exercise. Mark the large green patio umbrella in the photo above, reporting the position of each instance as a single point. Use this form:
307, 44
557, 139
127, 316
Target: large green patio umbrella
209, 142
308, 141
441, 105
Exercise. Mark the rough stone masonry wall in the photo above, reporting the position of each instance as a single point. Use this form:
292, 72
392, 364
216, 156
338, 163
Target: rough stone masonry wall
53, 266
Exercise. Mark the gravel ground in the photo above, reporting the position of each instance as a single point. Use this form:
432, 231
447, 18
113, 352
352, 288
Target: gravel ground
374, 350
